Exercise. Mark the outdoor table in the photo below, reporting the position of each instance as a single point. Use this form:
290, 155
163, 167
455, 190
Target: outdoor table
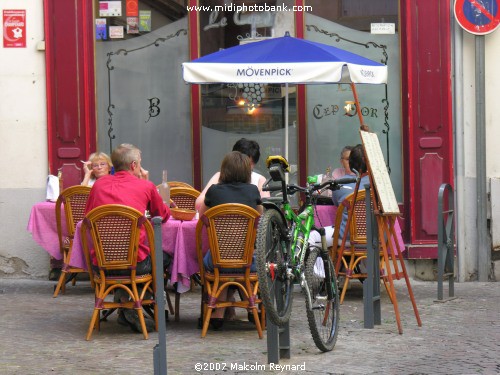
178, 240
43, 227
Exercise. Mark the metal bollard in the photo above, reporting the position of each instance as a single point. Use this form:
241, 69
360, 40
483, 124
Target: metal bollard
371, 286
160, 349
278, 338
446, 243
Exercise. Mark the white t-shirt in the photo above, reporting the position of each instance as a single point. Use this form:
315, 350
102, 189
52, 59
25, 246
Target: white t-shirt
255, 178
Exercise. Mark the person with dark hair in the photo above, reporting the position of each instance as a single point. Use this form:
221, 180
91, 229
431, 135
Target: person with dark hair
356, 163
234, 184
252, 150
233, 187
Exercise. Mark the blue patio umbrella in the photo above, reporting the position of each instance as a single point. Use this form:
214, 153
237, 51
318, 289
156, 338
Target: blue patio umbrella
284, 60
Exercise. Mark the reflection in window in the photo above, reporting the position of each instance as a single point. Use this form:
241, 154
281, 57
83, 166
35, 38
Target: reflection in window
118, 20
141, 96
243, 108
231, 111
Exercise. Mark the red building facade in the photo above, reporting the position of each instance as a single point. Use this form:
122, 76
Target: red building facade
426, 98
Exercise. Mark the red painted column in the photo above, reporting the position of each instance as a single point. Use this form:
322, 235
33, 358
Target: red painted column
301, 105
427, 118
194, 52
71, 117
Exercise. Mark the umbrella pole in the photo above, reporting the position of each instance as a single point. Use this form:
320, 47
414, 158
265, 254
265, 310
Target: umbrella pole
362, 124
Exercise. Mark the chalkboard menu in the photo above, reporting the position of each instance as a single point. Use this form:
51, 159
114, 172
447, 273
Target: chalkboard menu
380, 176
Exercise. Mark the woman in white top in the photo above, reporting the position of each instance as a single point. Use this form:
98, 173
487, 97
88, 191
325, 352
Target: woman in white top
98, 165
252, 150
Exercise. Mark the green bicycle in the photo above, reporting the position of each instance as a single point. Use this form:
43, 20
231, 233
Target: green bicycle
284, 256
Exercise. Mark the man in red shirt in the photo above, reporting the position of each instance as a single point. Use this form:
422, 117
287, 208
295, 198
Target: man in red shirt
128, 187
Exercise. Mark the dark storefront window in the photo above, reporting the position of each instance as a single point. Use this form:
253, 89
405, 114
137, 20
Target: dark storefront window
348, 25
141, 96
232, 111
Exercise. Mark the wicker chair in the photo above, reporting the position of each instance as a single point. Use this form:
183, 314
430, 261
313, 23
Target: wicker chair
175, 184
74, 199
115, 231
354, 249
231, 230
184, 198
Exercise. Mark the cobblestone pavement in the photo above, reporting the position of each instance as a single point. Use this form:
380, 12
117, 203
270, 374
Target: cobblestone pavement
43, 335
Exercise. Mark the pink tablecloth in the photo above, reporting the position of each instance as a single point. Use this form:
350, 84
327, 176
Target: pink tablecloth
324, 216
43, 227
178, 240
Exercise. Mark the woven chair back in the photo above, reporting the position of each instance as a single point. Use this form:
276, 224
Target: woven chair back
115, 232
184, 198
231, 231
74, 200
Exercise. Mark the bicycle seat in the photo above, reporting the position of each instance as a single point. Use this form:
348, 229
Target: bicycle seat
277, 166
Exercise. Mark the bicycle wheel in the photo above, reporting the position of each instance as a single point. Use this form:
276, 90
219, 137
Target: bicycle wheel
272, 256
323, 308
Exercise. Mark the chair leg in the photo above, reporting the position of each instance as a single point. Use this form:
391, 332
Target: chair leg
177, 304
143, 322
61, 284
256, 318
169, 303
206, 321
93, 322
262, 317
344, 289
348, 273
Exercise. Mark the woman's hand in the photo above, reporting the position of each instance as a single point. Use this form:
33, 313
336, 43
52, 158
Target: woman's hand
87, 169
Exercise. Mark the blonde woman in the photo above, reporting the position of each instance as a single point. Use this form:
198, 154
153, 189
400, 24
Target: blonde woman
98, 165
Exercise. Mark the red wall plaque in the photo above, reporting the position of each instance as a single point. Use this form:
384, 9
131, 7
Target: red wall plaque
14, 28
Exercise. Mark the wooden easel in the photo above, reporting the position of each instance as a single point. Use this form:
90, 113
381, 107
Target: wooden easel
386, 211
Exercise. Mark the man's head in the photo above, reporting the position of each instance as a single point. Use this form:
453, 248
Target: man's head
235, 167
249, 148
127, 157
357, 159
344, 158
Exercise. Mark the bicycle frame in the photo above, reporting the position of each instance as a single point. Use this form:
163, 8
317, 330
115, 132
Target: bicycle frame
301, 223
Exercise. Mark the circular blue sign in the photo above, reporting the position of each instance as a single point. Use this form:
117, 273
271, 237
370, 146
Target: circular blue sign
477, 16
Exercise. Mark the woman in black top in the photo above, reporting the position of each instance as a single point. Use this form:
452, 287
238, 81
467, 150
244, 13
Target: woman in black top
234, 184
234, 187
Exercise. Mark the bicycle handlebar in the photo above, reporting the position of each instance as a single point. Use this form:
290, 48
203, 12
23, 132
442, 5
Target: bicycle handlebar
345, 180
292, 188
266, 187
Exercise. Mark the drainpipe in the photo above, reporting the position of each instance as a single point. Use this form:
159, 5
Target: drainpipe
458, 129
484, 250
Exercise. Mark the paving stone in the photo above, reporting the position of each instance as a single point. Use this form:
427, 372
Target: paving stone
45, 335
